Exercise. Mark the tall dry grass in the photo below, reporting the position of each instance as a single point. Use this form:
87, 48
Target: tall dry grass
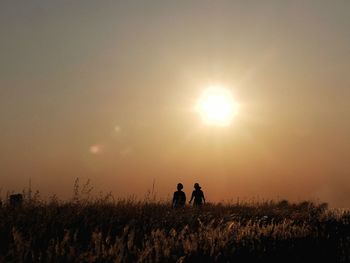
108, 230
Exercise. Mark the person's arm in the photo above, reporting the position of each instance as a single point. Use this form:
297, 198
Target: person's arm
184, 198
203, 197
191, 197
174, 200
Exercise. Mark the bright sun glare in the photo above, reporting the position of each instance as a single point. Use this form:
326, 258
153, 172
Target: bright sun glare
216, 106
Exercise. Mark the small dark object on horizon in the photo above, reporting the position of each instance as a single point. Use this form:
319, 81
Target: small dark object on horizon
16, 200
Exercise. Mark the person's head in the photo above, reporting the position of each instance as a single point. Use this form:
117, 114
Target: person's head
196, 186
180, 186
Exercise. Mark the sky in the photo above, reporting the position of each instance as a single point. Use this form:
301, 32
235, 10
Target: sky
105, 90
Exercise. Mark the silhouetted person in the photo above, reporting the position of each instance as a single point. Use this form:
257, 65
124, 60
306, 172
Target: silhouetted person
179, 199
197, 195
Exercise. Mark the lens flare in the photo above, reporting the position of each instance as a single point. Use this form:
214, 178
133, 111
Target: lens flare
96, 149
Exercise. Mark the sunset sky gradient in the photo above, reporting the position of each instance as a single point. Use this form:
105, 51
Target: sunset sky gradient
106, 90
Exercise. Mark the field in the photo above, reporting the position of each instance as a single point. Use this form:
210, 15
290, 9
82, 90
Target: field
108, 230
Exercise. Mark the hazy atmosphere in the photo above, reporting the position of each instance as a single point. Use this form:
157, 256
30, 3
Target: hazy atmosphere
109, 91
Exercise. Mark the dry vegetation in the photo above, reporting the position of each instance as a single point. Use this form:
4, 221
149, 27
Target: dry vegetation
107, 230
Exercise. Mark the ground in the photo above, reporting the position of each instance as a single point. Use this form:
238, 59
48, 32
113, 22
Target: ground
149, 231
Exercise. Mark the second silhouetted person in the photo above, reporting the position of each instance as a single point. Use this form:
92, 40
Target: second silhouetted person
197, 195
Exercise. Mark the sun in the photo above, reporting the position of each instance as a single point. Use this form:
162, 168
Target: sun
216, 106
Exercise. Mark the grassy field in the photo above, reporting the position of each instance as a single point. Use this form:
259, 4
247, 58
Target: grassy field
149, 231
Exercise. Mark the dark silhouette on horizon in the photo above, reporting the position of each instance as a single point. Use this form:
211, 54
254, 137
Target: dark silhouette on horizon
179, 199
16, 199
197, 195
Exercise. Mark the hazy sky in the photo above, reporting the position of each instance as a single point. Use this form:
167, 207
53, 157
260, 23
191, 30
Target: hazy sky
105, 90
